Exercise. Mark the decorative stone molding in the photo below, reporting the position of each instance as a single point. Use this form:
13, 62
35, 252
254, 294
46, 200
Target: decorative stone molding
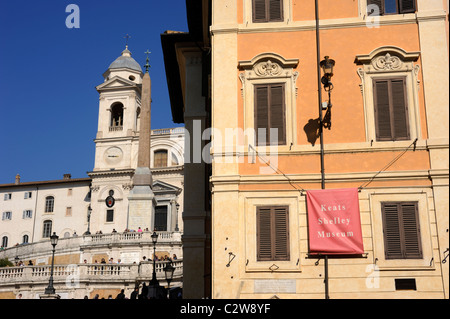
267, 68
268, 64
127, 186
272, 68
389, 62
387, 59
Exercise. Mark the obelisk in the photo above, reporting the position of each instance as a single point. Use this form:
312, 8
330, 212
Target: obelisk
141, 199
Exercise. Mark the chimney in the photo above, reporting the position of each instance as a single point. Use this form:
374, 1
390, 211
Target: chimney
67, 176
17, 179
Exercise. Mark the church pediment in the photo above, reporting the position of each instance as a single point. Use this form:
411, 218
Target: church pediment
115, 83
162, 187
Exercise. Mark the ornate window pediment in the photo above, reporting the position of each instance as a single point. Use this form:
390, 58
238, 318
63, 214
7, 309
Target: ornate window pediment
270, 69
386, 59
385, 64
268, 65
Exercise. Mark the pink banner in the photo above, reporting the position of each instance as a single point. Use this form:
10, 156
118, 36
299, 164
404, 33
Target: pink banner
334, 222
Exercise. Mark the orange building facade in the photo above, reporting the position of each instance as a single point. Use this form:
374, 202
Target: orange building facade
385, 133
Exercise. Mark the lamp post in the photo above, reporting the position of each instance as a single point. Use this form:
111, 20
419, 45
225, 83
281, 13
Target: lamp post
327, 66
88, 232
154, 284
50, 290
169, 270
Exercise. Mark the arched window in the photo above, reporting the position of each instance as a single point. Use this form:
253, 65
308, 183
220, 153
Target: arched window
25, 239
4, 241
160, 158
117, 115
47, 229
49, 204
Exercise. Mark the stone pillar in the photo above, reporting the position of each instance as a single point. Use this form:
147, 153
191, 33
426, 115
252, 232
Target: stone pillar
433, 28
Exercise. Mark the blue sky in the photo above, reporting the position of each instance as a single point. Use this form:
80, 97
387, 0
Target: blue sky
48, 74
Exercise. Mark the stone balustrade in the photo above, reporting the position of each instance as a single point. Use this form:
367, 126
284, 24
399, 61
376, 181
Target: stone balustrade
75, 272
29, 275
97, 243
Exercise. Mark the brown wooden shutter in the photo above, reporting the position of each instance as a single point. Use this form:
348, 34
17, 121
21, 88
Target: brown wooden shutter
261, 113
399, 110
272, 233
270, 113
382, 111
379, 3
275, 10
407, 6
401, 230
392, 238
264, 234
259, 11
267, 10
277, 112
411, 229
391, 111
281, 221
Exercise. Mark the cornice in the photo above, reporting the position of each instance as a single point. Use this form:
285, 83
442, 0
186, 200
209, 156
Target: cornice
325, 24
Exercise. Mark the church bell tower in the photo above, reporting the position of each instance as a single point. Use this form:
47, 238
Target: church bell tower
116, 143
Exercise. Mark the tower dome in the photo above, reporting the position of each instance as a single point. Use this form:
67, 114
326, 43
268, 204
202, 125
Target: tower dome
125, 61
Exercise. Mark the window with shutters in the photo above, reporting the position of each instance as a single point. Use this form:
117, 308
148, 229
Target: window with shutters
390, 86
272, 233
402, 235
385, 7
270, 118
391, 110
7, 216
269, 94
267, 10
401, 230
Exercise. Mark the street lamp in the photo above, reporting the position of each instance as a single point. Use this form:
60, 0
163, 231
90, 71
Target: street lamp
169, 270
50, 290
154, 284
89, 220
327, 66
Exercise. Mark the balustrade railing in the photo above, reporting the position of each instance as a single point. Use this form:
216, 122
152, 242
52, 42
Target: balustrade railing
163, 237
101, 272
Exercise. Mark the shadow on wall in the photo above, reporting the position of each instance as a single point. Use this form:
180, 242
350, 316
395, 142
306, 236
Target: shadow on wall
312, 128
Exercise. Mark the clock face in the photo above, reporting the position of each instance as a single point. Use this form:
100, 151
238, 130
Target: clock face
113, 155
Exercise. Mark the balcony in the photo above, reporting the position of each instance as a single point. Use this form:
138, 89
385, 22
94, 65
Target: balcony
116, 128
